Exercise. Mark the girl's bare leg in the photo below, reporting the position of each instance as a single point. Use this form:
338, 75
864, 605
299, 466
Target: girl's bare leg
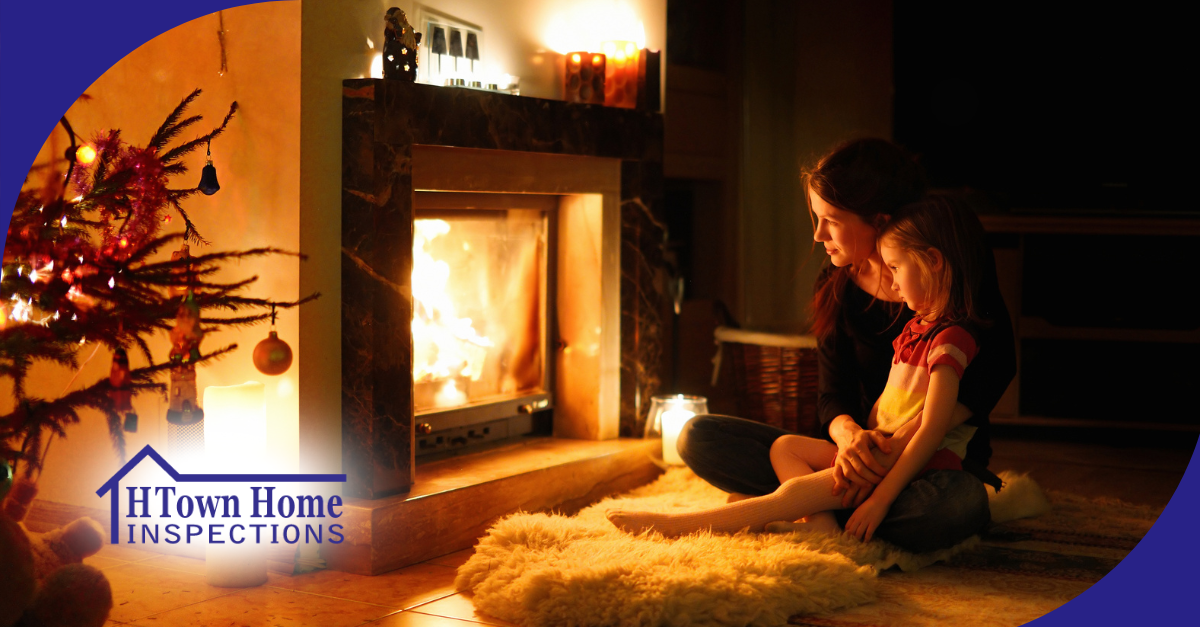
797, 456
796, 498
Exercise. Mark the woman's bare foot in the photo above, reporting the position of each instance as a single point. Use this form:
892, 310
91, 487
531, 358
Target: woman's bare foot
823, 522
637, 522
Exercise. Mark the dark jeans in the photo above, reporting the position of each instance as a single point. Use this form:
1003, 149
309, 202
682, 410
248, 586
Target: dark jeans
936, 511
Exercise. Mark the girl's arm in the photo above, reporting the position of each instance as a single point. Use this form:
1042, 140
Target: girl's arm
937, 419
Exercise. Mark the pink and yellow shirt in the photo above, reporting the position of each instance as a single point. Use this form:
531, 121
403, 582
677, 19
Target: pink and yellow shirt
920, 347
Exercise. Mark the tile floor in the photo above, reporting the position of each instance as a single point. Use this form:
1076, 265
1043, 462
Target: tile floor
150, 589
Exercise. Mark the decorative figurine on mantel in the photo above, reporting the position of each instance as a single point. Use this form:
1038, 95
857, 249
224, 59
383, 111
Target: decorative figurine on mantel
400, 44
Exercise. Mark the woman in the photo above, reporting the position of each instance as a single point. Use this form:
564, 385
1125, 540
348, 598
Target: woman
857, 315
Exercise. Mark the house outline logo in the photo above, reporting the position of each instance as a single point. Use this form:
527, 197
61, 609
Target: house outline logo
113, 485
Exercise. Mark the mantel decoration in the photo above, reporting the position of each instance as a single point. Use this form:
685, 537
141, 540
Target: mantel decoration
585, 76
82, 267
400, 43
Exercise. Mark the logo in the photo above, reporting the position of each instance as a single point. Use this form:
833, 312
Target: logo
221, 508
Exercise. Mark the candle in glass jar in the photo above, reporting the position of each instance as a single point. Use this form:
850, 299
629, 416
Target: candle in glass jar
672, 423
621, 73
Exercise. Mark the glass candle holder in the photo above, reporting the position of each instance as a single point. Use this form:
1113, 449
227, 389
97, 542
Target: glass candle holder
668, 414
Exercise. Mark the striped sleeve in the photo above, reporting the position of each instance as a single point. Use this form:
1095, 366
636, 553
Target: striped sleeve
954, 347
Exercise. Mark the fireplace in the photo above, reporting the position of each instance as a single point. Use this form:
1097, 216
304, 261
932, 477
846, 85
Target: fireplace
519, 233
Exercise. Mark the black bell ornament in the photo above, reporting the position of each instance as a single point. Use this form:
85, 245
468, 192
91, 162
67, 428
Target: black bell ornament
208, 177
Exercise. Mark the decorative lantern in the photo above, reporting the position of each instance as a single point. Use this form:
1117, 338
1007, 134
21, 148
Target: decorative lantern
583, 77
400, 44
668, 414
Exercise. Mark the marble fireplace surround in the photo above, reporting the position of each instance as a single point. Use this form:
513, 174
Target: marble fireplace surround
605, 166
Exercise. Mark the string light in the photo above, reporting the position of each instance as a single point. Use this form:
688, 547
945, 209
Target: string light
63, 222
112, 282
85, 154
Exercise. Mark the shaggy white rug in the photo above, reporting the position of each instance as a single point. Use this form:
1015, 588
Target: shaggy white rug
542, 570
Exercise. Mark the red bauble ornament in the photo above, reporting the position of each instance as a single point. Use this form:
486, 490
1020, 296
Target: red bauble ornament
272, 356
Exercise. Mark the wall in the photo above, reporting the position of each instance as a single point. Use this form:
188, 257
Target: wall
333, 48
258, 168
815, 74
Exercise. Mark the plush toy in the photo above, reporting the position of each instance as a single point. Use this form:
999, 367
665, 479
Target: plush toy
42, 577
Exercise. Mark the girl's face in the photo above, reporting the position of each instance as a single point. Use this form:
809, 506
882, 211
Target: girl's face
907, 279
847, 239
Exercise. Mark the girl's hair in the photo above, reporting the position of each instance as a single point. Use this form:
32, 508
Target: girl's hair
870, 178
943, 223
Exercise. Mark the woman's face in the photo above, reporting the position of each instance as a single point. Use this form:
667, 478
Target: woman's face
847, 239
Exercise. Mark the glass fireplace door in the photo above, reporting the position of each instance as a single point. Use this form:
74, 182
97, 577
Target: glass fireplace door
480, 317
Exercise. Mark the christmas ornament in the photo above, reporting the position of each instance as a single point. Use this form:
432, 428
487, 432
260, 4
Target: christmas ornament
121, 394
208, 176
272, 356
185, 350
400, 43
179, 290
6, 478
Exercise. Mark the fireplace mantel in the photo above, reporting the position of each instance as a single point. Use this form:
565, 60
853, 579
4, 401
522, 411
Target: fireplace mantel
383, 121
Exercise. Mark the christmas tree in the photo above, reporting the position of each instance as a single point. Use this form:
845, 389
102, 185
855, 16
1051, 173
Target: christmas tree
84, 265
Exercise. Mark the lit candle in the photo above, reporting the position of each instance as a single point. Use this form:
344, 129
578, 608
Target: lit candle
620, 77
235, 426
583, 77
672, 423
235, 441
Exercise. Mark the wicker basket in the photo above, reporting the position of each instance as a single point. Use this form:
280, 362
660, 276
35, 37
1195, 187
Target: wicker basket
775, 377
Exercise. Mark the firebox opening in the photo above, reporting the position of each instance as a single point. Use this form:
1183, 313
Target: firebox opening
482, 274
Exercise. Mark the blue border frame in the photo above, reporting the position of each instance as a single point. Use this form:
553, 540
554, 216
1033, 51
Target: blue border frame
51, 52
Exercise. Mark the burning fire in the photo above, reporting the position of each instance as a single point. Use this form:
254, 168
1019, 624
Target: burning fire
445, 347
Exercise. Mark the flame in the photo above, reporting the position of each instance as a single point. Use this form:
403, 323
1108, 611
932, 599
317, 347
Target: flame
586, 25
444, 345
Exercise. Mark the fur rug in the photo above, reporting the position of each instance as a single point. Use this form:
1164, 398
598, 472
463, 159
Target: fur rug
543, 569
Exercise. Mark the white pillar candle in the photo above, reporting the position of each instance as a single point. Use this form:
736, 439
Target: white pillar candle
235, 441
672, 423
235, 427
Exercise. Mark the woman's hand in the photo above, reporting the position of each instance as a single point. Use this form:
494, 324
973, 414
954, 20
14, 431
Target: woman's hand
865, 520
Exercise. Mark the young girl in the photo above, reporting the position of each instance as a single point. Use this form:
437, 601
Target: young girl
934, 252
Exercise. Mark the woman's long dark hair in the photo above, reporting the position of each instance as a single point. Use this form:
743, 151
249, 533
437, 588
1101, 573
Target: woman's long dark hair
867, 177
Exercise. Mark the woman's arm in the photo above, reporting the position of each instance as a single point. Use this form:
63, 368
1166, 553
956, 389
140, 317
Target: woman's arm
936, 420
886, 455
